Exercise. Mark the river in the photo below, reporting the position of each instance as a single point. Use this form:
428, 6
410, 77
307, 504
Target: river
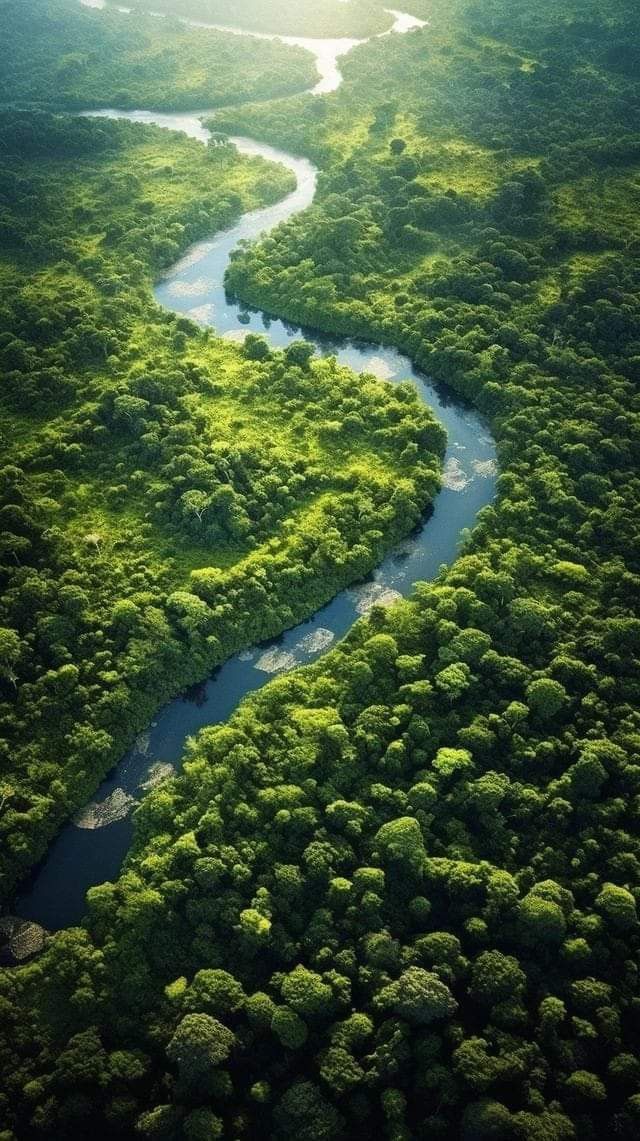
91, 849
327, 52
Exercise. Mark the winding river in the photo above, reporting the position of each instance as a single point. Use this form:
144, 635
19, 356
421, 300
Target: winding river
91, 849
327, 52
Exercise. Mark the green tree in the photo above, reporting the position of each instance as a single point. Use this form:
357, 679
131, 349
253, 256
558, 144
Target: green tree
419, 996
203, 1125
618, 906
541, 921
495, 977
302, 1112
289, 1028
546, 697
199, 1044
400, 841
305, 992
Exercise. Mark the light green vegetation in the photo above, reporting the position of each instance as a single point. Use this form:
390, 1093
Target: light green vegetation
605, 203
57, 52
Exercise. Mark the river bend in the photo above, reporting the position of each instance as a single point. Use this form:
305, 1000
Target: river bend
90, 849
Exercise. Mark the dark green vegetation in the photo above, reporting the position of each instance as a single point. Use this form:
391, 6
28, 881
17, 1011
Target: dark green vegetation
332, 18
57, 52
397, 894
151, 524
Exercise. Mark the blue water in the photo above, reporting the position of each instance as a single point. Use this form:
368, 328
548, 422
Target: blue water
82, 856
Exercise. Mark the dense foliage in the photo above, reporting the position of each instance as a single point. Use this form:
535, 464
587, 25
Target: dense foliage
57, 52
150, 524
397, 893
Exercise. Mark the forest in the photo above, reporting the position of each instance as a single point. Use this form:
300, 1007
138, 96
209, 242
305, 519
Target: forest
330, 18
397, 891
149, 526
62, 55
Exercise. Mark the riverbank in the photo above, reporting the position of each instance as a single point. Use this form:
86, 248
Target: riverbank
81, 856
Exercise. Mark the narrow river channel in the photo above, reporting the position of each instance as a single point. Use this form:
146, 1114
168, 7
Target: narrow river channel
91, 849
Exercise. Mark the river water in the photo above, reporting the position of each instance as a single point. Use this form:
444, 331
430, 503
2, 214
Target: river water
327, 52
91, 849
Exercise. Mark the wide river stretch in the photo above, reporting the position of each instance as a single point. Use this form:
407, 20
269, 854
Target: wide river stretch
90, 849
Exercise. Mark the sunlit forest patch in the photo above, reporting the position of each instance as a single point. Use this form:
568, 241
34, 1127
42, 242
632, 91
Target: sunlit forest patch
604, 205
